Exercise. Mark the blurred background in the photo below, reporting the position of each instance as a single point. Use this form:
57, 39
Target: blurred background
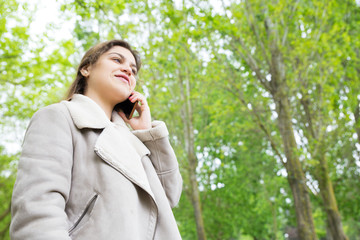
261, 99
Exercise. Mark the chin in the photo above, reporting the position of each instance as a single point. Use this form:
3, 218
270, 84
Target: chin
119, 100
121, 95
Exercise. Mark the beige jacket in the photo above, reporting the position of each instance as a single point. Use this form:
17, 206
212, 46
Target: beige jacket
82, 176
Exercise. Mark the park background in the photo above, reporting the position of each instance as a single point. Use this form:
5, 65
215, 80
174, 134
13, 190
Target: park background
261, 99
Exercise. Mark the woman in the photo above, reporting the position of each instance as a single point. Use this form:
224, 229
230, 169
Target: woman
83, 174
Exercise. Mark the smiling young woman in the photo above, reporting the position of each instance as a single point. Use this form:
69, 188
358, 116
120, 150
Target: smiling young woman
84, 174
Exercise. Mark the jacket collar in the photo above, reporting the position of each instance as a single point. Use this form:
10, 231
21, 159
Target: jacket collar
116, 144
86, 113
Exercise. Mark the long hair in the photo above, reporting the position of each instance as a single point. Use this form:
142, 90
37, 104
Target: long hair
91, 57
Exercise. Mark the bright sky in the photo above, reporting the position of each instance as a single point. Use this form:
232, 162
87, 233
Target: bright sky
48, 11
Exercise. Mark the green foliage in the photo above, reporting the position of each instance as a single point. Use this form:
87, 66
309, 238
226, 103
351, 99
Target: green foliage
241, 176
31, 76
7, 179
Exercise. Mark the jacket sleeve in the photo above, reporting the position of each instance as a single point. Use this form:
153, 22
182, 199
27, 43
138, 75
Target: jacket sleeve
44, 177
163, 159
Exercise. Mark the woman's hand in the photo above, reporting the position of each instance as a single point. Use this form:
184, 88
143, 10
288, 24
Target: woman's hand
143, 121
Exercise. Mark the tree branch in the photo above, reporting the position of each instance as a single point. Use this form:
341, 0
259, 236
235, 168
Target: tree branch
239, 94
4, 231
251, 62
5, 213
357, 120
305, 102
276, 66
80, 3
292, 11
255, 29
9, 56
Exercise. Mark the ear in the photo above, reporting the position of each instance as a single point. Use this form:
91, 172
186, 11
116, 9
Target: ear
85, 71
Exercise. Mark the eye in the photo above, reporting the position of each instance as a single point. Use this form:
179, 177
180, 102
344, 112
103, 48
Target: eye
134, 71
119, 60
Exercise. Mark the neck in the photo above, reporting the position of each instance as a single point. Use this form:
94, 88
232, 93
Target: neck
105, 106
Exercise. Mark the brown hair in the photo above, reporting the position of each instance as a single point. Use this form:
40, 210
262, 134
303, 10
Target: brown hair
91, 57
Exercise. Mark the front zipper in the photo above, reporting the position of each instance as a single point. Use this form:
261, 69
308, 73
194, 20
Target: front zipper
87, 210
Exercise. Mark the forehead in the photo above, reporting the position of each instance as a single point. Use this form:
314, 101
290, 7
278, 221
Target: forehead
122, 51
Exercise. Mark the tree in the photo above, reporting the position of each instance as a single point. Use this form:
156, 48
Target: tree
261, 40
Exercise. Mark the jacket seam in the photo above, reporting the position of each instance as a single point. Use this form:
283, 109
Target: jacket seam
67, 114
158, 160
167, 171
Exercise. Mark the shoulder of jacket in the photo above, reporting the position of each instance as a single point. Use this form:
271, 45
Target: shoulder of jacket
55, 110
59, 108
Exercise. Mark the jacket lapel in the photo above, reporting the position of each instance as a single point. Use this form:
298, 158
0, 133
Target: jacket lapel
116, 145
123, 151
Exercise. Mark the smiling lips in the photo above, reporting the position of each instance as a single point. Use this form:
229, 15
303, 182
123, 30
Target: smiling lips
123, 77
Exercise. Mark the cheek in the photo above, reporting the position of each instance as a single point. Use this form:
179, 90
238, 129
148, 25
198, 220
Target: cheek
133, 84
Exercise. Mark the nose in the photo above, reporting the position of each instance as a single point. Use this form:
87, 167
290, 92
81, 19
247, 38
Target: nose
126, 69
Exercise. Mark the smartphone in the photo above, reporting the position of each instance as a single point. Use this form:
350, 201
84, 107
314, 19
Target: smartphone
127, 107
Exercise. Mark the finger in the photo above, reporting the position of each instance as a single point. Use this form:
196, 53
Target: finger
138, 108
123, 116
138, 97
134, 98
134, 94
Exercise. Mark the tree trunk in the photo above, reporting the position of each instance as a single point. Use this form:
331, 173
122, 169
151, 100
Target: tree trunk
190, 151
327, 194
334, 225
195, 198
274, 223
295, 173
296, 178
357, 120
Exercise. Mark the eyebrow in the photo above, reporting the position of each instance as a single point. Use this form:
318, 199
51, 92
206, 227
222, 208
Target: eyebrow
122, 56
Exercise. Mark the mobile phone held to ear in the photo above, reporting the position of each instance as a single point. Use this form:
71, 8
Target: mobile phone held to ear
127, 107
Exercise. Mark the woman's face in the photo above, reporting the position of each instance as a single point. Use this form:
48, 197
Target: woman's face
112, 78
